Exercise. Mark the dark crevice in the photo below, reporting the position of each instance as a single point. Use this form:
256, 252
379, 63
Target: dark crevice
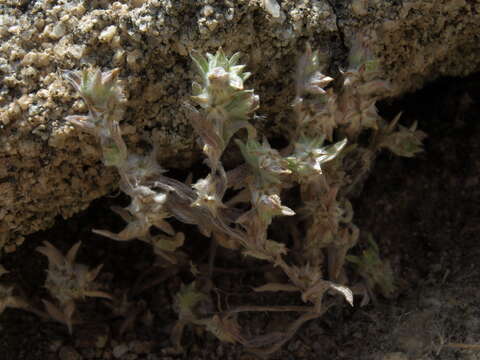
341, 35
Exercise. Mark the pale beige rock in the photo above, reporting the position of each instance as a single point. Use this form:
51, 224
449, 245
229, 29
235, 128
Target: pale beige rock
47, 168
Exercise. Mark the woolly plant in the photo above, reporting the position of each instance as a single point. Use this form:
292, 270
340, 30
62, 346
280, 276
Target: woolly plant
68, 282
324, 162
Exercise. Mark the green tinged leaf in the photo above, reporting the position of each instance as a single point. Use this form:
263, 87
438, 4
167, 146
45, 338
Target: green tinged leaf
234, 60
200, 62
112, 155
167, 243
187, 299
309, 155
266, 163
225, 329
405, 142
373, 269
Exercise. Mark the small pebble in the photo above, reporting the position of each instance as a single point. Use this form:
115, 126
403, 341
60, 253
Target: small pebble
69, 353
120, 350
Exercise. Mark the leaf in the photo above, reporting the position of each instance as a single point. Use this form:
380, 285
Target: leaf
135, 229
353, 259
168, 243
176, 334
257, 254
123, 213
333, 150
225, 329
345, 291
84, 123
187, 299
405, 142
72, 253
234, 60
98, 294
59, 315
5, 297
226, 241
54, 256
275, 248
200, 62
164, 226
3, 271
316, 292
221, 59
235, 81
92, 274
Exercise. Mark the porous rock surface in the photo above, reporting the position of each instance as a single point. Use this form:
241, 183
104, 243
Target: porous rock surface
48, 168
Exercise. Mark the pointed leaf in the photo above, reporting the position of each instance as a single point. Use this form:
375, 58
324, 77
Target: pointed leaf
3, 271
57, 314
99, 294
345, 291
72, 253
200, 62
92, 274
234, 60
54, 256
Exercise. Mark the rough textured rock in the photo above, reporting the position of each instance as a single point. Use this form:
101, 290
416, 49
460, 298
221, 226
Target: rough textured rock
47, 168
417, 41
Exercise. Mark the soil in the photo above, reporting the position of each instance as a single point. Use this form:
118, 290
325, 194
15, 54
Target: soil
424, 213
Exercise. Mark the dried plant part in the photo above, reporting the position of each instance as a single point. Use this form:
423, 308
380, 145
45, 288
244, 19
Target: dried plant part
188, 305
208, 195
405, 141
314, 104
61, 313
225, 328
267, 165
68, 282
7, 299
3, 271
374, 270
309, 156
128, 309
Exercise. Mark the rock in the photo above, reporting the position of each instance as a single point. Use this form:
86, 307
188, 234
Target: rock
120, 350
68, 353
48, 168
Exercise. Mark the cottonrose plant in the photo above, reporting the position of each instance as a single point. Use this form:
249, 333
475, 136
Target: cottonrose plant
323, 164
